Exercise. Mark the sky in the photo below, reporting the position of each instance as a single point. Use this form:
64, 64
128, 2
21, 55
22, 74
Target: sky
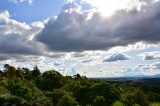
95, 38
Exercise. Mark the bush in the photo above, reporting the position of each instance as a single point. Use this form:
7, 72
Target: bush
155, 104
10, 100
118, 103
136, 97
3, 90
18, 88
55, 95
104, 91
67, 101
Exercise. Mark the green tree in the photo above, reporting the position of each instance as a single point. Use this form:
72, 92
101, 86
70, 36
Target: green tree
52, 80
36, 72
55, 95
27, 74
99, 101
77, 76
67, 101
9, 71
135, 97
18, 88
105, 92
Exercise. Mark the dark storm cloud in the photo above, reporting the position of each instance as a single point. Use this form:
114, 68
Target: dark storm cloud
4, 57
77, 30
15, 44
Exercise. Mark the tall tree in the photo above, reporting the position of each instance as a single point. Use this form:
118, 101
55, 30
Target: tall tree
36, 72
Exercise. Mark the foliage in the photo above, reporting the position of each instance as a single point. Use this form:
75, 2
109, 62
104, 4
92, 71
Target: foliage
118, 103
135, 97
18, 88
10, 100
67, 100
21, 86
155, 104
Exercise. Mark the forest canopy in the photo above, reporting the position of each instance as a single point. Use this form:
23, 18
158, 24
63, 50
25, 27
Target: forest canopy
22, 86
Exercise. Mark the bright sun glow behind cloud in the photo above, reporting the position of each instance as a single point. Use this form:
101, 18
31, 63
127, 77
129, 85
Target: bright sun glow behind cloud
108, 7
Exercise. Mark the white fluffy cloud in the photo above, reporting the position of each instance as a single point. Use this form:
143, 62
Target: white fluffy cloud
141, 70
107, 8
16, 38
17, 45
12, 26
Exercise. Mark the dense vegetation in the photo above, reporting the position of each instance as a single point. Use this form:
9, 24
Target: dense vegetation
24, 87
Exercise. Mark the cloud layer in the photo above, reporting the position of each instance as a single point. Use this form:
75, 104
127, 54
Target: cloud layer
143, 69
88, 41
79, 30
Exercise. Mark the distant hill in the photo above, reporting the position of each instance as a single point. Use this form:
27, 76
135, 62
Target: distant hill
129, 77
156, 76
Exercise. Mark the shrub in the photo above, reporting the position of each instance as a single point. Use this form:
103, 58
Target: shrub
118, 103
155, 104
10, 100
67, 101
